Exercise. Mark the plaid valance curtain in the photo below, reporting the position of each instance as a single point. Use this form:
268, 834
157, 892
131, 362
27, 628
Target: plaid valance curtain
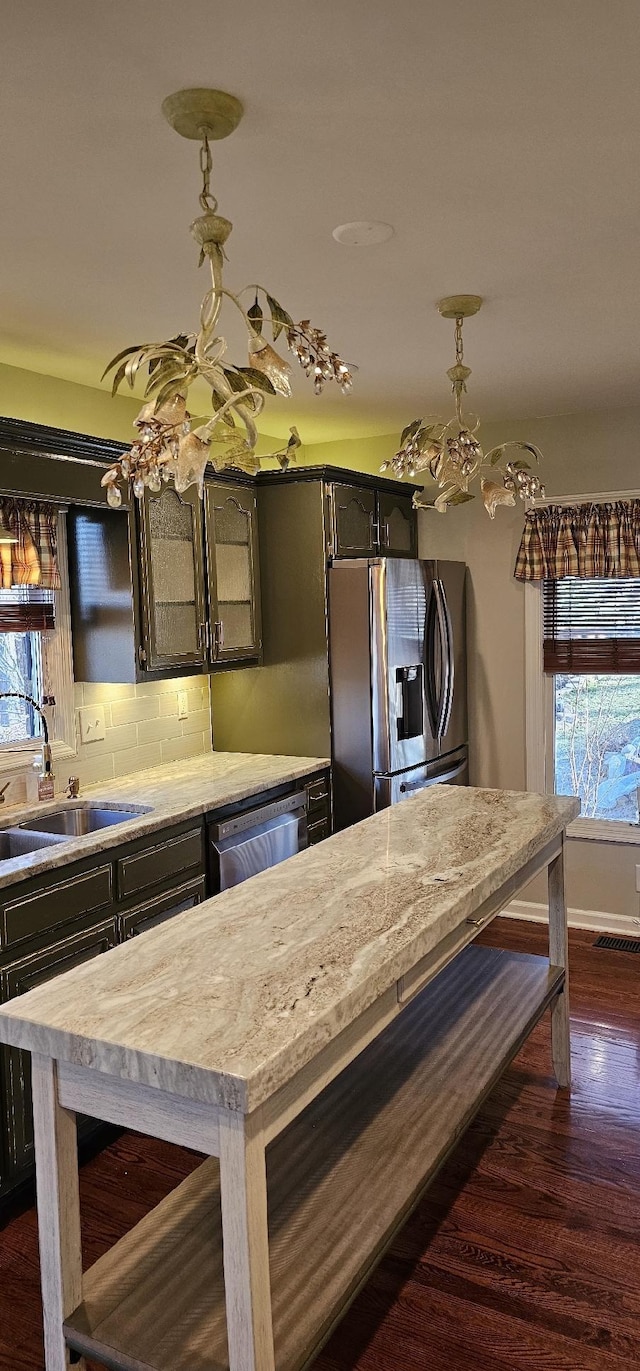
33, 559
583, 540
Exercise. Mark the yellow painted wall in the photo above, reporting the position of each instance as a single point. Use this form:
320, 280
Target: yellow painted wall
41, 399
64, 404
358, 454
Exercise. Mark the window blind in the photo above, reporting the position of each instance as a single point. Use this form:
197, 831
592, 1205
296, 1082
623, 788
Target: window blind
27, 609
591, 625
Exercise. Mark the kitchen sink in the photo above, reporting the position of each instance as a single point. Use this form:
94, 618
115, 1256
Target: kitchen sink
15, 842
75, 820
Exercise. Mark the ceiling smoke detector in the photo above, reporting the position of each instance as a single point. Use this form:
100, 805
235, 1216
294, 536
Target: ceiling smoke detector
363, 233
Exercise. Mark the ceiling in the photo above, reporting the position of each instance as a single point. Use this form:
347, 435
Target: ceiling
499, 138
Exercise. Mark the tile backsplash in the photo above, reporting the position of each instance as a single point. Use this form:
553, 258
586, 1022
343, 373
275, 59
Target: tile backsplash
142, 727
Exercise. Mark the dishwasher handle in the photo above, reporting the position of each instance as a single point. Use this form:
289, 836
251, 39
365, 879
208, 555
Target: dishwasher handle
250, 818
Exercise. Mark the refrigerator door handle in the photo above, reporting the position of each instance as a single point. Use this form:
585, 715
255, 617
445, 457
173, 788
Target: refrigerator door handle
430, 674
440, 779
445, 632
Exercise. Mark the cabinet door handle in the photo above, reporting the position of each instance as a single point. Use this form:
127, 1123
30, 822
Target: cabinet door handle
218, 637
202, 636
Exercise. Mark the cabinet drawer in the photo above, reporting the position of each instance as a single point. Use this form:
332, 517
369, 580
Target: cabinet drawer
318, 796
155, 864
155, 912
56, 904
316, 833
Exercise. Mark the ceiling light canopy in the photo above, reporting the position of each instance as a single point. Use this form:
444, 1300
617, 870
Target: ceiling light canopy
167, 447
363, 233
451, 451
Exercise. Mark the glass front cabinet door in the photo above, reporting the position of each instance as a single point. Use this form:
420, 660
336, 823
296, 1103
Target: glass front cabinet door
233, 573
172, 580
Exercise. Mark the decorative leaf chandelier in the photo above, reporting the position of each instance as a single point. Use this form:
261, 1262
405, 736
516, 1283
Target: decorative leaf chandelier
167, 447
451, 452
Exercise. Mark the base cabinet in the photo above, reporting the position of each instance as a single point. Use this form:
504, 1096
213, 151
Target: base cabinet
157, 911
52, 923
57, 921
319, 808
17, 979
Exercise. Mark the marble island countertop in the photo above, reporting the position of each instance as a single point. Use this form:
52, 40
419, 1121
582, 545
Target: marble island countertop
226, 1002
180, 790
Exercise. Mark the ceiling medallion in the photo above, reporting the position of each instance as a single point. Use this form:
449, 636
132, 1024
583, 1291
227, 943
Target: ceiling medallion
451, 452
167, 447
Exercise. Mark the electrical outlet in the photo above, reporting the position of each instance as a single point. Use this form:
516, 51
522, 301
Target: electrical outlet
92, 724
183, 705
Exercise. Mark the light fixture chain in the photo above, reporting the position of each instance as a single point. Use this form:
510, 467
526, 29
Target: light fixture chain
458, 337
207, 200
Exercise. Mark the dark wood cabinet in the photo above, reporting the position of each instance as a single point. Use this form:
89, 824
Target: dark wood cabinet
319, 808
58, 920
397, 525
16, 979
353, 521
172, 580
233, 574
370, 522
167, 587
307, 517
156, 911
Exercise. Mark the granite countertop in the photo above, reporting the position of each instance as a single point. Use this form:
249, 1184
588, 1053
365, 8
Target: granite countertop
181, 790
226, 1002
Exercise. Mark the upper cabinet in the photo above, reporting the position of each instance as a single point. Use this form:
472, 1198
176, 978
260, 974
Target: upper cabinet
397, 525
353, 521
232, 572
367, 523
172, 581
167, 587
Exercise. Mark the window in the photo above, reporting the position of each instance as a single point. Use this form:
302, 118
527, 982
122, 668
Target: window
21, 664
35, 659
583, 699
597, 744
591, 646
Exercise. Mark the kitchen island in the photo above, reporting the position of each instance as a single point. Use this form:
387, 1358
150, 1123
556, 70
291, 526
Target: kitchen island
324, 1039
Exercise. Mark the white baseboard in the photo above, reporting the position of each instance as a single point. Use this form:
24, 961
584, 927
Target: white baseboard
594, 919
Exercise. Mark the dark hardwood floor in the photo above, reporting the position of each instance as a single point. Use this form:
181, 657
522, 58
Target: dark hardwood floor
524, 1255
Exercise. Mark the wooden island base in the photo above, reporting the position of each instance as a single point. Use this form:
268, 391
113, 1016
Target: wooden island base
314, 1158
341, 1179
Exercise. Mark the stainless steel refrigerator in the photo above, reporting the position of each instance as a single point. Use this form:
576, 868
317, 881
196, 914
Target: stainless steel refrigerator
398, 680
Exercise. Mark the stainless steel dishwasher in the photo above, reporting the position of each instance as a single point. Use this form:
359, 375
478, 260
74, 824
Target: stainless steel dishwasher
249, 842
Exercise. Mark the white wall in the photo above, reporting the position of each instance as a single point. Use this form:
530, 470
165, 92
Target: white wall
584, 453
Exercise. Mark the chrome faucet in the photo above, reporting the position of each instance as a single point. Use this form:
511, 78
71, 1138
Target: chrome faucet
46, 750
73, 788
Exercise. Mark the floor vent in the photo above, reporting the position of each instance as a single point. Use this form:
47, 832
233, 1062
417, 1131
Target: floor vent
618, 944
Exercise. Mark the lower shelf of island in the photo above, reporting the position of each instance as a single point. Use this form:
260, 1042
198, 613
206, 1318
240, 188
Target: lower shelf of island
342, 1178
